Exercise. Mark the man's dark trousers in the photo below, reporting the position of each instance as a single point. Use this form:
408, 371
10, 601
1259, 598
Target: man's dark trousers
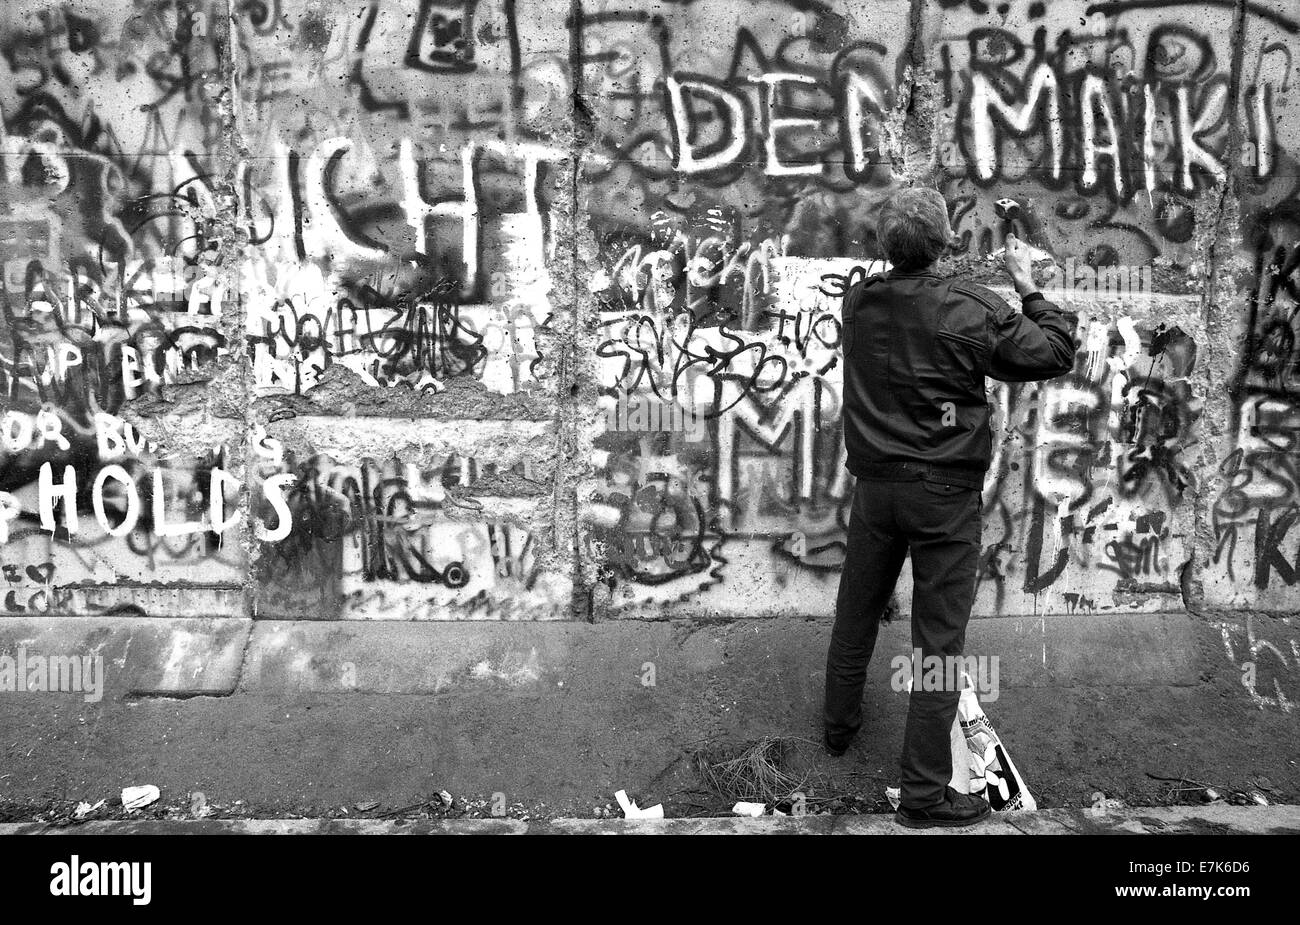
940, 525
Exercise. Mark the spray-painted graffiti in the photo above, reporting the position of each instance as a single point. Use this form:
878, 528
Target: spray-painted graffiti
1255, 555
108, 223
1267, 654
1124, 121
327, 287
450, 217
102, 509
1091, 488
388, 540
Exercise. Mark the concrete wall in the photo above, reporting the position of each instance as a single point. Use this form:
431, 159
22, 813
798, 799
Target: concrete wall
326, 310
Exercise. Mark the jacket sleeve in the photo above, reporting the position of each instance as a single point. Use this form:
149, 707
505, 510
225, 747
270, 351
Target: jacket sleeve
847, 326
1032, 344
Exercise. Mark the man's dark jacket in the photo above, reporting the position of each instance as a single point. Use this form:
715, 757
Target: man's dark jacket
917, 348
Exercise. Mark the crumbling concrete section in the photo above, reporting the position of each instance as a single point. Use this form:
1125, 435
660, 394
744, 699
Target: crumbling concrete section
489, 312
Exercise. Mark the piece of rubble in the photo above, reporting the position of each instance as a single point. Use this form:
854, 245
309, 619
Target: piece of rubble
199, 808
84, 809
139, 797
632, 811
1104, 804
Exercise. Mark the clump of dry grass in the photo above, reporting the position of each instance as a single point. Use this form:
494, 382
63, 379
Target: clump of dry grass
766, 771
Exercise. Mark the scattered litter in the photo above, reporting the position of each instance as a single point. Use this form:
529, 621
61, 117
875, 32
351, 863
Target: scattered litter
84, 809
367, 806
1258, 798
139, 797
750, 809
199, 807
632, 811
1196, 789
447, 798
894, 795
777, 812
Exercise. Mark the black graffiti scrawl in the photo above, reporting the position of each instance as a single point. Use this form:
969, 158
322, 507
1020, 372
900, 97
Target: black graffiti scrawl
484, 309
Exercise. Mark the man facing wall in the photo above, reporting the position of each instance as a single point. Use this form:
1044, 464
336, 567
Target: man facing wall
917, 348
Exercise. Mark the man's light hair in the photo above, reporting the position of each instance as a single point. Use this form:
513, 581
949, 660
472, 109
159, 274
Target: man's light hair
913, 228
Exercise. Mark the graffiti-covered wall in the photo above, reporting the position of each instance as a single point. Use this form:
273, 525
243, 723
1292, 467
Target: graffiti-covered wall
529, 309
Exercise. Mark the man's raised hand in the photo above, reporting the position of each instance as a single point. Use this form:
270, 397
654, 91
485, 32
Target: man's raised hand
1018, 261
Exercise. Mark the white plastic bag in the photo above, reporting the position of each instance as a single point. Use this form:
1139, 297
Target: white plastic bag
980, 763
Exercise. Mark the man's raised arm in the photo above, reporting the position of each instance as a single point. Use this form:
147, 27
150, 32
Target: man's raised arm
1037, 342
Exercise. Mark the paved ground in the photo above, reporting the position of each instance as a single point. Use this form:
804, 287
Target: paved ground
1217, 820
315, 720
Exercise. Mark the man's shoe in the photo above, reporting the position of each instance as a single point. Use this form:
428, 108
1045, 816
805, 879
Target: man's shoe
956, 810
837, 745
